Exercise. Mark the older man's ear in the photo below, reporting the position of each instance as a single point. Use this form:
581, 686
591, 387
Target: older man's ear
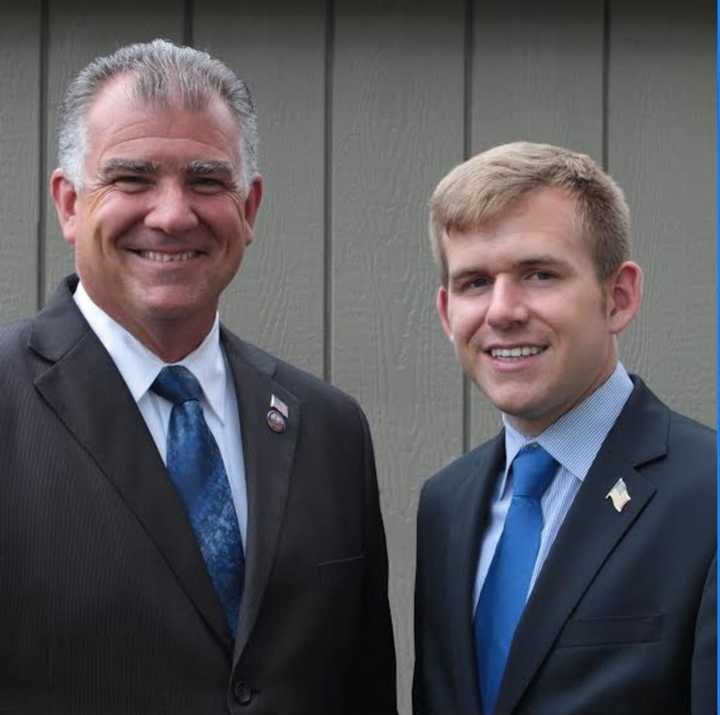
64, 197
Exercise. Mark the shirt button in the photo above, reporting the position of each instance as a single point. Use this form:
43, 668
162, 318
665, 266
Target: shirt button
243, 692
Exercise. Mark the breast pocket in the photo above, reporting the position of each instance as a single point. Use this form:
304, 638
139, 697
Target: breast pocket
611, 631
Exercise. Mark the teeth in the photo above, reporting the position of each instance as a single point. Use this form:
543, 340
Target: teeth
515, 352
167, 257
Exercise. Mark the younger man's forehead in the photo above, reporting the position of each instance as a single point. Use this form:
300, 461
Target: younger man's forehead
523, 204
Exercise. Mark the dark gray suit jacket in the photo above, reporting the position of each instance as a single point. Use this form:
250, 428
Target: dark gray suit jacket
105, 603
622, 618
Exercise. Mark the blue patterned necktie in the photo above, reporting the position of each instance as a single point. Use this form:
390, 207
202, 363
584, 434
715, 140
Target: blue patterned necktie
196, 468
505, 590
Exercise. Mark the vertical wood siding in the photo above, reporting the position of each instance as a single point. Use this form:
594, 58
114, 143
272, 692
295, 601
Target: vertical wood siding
20, 157
363, 106
661, 149
397, 117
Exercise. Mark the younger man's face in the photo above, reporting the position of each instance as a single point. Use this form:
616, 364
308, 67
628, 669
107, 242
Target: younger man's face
530, 321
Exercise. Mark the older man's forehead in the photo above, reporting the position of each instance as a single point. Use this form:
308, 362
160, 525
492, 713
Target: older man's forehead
122, 91
116, 118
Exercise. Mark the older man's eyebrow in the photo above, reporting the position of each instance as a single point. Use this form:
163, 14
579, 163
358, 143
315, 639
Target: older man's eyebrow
210, 168
112, 167
222, 170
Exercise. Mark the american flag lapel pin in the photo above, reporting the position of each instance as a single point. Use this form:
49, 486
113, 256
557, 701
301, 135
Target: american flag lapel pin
277, 404
619, 495
277, 415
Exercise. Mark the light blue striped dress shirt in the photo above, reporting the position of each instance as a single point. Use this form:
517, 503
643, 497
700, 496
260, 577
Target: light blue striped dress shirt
574, 441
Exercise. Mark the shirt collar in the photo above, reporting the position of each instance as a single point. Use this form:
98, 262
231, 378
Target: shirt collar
575, 438
139, 366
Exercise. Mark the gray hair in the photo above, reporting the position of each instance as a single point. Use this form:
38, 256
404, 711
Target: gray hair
485, 186
163, 73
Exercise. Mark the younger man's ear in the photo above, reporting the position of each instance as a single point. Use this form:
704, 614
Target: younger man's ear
624, 295
65, 199
441, 303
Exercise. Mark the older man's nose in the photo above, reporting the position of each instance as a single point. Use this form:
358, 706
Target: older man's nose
172, 211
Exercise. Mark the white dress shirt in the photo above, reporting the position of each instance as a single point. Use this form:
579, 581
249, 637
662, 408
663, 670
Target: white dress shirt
574, 441
139, 367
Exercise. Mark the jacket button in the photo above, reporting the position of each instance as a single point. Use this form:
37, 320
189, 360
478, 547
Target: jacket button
243, 692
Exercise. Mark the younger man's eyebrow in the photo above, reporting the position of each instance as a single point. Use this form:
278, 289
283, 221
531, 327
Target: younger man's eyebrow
523, 264
464, 274
541, 260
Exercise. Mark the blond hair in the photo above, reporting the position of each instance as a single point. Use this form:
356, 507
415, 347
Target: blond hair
491, 183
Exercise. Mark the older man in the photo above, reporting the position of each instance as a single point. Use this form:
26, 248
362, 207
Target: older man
567, 566
187, 524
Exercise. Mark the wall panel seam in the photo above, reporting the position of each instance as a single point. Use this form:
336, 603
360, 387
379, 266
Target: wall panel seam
469, 47
327, 192
188, 23
43, 163
606, 86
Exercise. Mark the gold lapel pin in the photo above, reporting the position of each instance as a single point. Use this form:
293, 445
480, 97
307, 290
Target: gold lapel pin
619, 495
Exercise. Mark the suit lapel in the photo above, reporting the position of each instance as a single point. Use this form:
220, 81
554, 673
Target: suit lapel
82, 386
472, 500
268, 459
590, 532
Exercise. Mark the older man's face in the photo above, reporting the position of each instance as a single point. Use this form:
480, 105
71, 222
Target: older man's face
161, 224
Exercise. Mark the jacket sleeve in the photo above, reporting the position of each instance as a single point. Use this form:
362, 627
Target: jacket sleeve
704, 660
418, 686
374, 678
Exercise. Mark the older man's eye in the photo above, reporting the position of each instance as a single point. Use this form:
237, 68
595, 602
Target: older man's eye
207, 185
130, 183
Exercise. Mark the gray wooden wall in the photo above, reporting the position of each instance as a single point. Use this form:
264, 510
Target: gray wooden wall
363, 107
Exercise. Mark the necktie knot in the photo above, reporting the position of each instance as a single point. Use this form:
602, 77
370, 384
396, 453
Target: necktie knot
177, 384
533, 469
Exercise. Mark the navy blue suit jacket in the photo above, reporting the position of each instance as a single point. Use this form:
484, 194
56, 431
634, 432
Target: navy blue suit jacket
622, 618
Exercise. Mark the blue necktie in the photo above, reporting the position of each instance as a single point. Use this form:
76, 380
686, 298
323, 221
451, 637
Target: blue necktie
196, 468
505, 590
